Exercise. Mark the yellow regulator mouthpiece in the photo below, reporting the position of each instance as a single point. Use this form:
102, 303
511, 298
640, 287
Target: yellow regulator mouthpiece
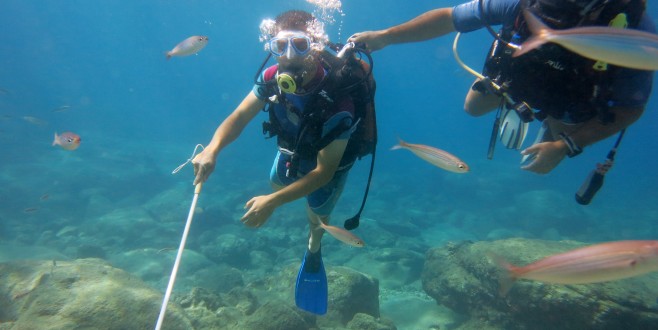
286, 83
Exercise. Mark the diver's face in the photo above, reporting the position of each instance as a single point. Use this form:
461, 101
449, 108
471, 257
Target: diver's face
292, 48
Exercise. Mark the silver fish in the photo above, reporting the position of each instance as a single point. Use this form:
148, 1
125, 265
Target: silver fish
434, 156
623, 47
343, 235
189, 46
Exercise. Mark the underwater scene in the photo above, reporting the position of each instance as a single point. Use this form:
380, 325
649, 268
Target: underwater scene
102, 102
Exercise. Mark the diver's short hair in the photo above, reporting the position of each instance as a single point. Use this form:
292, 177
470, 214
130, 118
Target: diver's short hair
297, 20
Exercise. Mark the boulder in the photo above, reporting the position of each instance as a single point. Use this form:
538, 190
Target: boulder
270, 304
80, 294
368, 322
350, 293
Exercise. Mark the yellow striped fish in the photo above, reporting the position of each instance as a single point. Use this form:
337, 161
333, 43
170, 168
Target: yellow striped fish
434, 156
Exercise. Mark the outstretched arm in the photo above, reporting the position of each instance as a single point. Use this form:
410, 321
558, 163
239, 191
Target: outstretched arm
429, 25
260, 208
550, 154
227, 132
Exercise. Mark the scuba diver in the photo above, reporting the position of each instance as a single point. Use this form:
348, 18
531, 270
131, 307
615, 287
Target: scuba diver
315, 100
579, 101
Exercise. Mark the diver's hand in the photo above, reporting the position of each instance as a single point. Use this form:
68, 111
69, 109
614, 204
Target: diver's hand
204, 164
547, 155
259, 209
374, 40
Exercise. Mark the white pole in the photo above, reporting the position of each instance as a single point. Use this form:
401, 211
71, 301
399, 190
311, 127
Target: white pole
174, 271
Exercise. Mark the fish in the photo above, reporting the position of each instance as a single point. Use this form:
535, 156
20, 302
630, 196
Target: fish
343, 235
68, 140
434, 156
166, 249
35, 121
590, 264
62, 108
189, 46
31, 209
628, 48
44, 197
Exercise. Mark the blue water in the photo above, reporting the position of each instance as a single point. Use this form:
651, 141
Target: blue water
140, 116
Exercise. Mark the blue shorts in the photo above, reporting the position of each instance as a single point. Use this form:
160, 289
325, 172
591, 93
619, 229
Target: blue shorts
324, 199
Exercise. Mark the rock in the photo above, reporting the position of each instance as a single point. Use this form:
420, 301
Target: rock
277, 316
90, 251
416, 310
461, 277
230, 249
170, 205
350, 292
81, 294
208, 310
394, 266
368, 322
219, 278
154, 266
125, 227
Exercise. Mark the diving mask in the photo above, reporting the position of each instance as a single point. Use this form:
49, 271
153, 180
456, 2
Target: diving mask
301, 44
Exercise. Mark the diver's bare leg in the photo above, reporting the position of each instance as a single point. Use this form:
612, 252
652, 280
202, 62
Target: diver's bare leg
477, 104
315, 232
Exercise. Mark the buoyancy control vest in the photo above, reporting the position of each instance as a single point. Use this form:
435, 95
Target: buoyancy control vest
345, 78
552, 79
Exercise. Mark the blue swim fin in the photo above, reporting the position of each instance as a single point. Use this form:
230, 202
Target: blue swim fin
311, 290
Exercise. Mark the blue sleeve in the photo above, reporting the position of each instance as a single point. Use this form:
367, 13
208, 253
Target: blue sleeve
466, 17
264, 91
259, 88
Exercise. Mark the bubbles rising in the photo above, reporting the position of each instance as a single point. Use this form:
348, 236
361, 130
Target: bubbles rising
325, 10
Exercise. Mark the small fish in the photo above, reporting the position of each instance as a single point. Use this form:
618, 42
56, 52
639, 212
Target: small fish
343, 235
4, 91
623, 47
434, 156
189, 46
591, 264
35, 121
166, 249
62, 108
44, 197
68, 140
31, 209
